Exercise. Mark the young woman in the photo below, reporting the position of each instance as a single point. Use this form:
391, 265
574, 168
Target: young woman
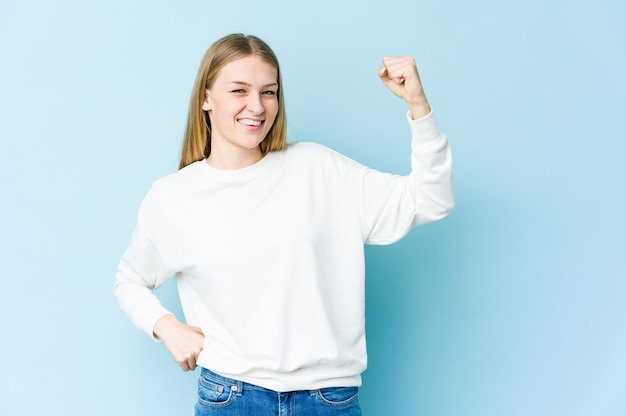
266, 240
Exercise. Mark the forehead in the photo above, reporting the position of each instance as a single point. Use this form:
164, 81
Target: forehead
249, 69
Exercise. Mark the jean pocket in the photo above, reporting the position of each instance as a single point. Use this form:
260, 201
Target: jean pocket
338, 396
213, 393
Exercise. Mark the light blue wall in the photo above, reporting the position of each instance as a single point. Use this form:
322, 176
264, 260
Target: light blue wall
513, 305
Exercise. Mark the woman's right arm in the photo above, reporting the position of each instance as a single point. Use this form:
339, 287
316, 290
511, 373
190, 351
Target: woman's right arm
141, 269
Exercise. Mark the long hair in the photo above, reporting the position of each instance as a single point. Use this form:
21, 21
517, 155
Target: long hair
197, 140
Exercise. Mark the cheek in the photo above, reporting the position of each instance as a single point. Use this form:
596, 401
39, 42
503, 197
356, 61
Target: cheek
273, 109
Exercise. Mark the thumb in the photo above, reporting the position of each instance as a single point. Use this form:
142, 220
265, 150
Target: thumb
386, 77
393, 85
383, 74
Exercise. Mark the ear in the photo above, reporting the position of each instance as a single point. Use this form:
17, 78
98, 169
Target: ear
206, 105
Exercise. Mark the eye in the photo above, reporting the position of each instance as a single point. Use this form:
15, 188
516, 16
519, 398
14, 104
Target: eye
269, 92
239, 91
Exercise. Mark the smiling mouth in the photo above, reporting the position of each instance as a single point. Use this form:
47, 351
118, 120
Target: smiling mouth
250, 122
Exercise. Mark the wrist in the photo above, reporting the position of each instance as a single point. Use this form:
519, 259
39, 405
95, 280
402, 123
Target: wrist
419, 110
418, 106
160, 328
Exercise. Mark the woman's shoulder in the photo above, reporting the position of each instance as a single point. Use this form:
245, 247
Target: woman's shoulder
314, 158
305, 147
176, 181
310, 150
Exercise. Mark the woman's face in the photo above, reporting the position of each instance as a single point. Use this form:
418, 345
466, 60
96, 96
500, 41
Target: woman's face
242, 105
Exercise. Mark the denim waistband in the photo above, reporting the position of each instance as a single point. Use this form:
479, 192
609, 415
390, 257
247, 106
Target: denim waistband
240, 385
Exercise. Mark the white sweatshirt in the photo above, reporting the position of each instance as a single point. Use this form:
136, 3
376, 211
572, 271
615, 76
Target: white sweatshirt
269, 259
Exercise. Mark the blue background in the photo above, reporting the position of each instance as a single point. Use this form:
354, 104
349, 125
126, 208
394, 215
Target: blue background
513, 305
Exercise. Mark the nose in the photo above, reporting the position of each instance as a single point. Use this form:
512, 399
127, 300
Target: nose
255, 104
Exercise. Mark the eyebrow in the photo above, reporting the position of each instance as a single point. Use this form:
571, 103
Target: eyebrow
273, 84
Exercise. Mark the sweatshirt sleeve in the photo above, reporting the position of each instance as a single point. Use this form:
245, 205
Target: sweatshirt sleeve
140, 271
392, 204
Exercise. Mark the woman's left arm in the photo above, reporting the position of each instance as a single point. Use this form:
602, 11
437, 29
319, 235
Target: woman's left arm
392, 204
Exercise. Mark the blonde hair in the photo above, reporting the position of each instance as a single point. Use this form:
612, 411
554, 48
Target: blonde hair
197, 139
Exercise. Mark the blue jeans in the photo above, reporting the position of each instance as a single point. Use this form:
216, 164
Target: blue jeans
221, 396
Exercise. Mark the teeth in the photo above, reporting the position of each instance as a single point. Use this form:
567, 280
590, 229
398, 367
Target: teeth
249, 122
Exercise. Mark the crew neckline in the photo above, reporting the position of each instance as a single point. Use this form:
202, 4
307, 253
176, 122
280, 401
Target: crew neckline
238, 173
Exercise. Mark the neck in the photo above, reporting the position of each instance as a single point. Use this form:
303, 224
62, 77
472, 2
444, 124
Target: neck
234, 160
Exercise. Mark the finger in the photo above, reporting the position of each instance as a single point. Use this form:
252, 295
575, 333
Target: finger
188, 364
400, 68
395, 62
399, 76
386, 76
